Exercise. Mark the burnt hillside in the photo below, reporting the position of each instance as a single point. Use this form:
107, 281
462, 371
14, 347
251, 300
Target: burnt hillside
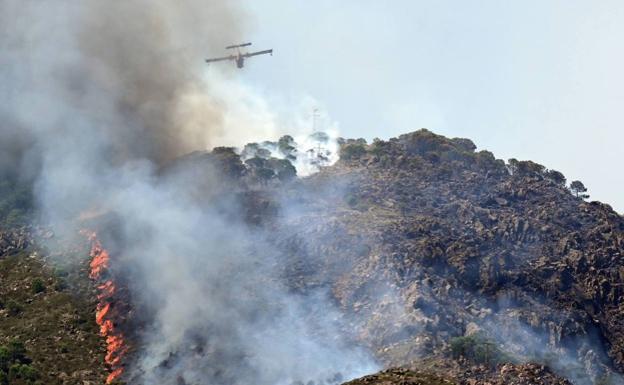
437, 241
447, 262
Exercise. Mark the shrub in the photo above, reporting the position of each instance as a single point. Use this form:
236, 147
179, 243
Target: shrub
352, 151
17, 352
23, 372
13, 307
5, 359
477, 349
464, 144
15, 365
38, 286
379, 147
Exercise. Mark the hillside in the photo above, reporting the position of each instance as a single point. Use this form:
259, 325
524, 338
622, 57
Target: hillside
454, 242
48, 310
451, 264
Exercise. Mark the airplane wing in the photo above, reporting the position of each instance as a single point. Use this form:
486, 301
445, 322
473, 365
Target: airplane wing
259, 53
231, 57
238, 45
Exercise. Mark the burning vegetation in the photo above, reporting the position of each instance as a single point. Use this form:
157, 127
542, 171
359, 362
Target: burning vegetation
104, 315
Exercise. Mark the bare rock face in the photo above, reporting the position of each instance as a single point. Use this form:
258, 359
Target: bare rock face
14, 240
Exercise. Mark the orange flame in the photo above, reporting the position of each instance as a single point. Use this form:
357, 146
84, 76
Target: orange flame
114, 375
115, 347
101, 312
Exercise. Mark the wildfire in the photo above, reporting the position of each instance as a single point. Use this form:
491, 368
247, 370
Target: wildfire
115, 347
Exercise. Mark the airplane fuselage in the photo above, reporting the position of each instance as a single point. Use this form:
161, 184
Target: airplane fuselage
239, 57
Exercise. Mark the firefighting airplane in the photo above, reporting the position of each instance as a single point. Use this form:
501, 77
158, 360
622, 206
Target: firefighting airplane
239, 57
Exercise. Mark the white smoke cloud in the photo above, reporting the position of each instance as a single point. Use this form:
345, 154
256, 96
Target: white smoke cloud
101, 95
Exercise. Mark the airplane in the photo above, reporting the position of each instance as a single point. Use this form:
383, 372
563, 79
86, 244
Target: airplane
239, 57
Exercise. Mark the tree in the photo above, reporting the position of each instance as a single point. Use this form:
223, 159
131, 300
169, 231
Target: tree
287, 147
352, 151
512, 166
578, 188
524, 167
556, 177
282, 168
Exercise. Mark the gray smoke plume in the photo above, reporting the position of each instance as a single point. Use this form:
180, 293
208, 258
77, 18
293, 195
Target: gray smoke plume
96, 97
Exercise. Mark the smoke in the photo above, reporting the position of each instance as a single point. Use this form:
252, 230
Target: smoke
96, 98
575, 353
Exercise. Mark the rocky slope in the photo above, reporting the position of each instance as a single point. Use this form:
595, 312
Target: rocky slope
449, 263
527, 374
436, 241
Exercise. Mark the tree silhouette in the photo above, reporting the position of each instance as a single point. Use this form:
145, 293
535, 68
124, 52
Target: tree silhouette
578, 188
556, 177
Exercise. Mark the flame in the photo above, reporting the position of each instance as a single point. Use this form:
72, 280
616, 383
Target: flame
114, 375
107, 290
101, 312
100, 260
115, 346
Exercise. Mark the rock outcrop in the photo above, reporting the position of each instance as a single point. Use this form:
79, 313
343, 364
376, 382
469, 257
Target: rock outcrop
420, 239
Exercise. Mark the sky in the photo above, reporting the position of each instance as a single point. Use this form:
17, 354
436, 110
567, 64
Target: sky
538, 80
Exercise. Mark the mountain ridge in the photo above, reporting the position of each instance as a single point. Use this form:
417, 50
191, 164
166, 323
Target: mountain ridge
441, 257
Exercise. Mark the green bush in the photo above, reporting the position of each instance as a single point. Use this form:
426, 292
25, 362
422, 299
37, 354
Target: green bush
23, 372
352, 151
477, 349
5, 359
38, 286
13, 307
17, 352
15, 365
